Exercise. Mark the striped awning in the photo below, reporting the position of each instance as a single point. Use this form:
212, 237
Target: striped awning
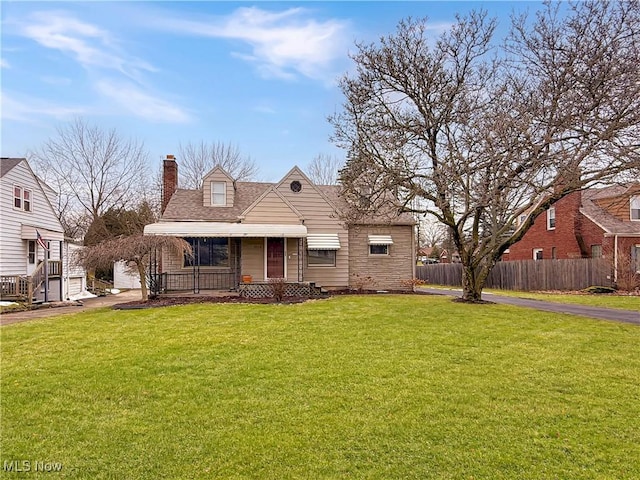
380, 240
323, 241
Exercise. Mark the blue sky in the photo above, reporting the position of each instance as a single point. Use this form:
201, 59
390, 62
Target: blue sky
262, 75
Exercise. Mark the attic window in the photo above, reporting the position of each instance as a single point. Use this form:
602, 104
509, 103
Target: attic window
295, 186
218, 194
635, 208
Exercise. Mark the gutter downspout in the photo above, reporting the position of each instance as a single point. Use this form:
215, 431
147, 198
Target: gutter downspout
615, 258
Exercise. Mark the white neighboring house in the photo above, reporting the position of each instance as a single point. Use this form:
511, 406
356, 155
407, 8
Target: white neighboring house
25, 211
123, 278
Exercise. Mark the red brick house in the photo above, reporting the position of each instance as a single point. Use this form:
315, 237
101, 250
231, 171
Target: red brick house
596, 222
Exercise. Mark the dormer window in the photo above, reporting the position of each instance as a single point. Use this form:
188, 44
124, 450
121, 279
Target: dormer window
218, 194
635, 208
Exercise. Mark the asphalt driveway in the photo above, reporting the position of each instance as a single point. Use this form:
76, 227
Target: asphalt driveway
89, 303
626, 316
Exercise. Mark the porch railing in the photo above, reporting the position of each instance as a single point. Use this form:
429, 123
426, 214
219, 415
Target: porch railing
176, 282
24, 287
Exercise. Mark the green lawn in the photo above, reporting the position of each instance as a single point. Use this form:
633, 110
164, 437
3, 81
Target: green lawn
624, 302
375, 387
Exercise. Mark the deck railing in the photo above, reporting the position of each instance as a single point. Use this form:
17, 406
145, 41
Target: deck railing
23, 287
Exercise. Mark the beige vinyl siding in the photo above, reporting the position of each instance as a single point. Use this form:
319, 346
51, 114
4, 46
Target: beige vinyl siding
272, 209
388, 271
217, 176
253, 258
620, 206
319, 217
13, 249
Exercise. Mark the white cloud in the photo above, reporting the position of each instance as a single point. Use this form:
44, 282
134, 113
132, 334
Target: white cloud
140, 103
32, 109
283, 44
88, 44
4, 63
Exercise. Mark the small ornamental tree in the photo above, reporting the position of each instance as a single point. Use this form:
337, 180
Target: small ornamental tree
132, 249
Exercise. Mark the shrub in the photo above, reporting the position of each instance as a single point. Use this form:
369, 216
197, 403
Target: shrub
278, 288
362, 282
599, 289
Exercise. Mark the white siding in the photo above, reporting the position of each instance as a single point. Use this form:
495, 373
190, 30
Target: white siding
13, 250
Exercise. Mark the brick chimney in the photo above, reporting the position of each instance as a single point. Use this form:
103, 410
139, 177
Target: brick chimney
169, 179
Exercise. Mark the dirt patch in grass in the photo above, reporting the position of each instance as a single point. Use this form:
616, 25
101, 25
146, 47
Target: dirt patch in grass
168, 301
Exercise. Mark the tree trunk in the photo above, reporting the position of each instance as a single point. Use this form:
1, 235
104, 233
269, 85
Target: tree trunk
143, 279
472, 284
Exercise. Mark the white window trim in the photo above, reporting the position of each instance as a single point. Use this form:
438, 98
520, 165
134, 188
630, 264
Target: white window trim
634, 204
21, 197
551, 215
224, 192
535, 251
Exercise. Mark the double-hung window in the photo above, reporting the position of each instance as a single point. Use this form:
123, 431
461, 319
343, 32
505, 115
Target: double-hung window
21, 198
551, 218
635, 208
218, 194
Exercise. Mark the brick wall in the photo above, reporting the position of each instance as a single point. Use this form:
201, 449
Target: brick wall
562, 239
169, 180
388, 271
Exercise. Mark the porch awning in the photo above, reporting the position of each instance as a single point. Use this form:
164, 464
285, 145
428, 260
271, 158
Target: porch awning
28, 232
221, 229
323, 241
380, 240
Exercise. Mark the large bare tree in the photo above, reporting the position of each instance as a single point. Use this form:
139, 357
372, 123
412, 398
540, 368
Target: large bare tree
196, 160
324, 169
94, 170
482, 134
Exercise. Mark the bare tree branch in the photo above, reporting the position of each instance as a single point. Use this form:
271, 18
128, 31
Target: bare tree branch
478, 134
196, 160
93, 170
324, 169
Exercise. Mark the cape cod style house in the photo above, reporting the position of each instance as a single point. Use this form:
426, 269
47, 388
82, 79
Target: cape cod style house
34, 257
246, 234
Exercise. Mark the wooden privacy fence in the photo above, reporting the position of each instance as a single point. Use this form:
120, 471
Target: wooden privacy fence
528, 275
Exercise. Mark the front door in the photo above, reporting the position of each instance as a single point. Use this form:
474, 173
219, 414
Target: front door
275, 257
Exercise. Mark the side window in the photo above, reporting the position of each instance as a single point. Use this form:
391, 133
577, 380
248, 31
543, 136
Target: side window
635, 208
551, 218
321, 258
537, 254
17, 198
378, 249
31, 255
26, 200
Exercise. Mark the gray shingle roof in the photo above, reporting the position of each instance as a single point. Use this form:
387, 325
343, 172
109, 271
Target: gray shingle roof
600, 216
6, 164
187, 205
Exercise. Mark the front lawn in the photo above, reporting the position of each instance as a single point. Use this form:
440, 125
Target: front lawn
351, 387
